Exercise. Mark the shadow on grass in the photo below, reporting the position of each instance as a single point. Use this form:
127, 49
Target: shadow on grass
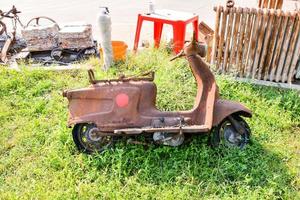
196, 163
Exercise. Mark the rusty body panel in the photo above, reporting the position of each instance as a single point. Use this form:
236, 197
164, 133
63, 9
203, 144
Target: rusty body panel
127, 105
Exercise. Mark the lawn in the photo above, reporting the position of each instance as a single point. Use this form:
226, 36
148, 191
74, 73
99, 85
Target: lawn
38, 159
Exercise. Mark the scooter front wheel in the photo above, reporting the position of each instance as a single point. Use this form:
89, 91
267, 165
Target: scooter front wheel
86, 139
225, 134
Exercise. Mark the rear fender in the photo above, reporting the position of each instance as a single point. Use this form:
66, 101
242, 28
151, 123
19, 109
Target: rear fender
224, 108
72, 122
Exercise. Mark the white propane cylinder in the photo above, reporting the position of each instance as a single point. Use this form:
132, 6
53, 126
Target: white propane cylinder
104, 25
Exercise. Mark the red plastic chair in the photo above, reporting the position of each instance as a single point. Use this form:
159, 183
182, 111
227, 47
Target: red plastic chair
178, 20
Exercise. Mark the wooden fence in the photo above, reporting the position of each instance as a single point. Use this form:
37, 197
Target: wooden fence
258, 43
271, 4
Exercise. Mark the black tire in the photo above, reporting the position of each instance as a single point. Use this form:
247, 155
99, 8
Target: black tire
56, 54
226, 135
84, 144
81, 55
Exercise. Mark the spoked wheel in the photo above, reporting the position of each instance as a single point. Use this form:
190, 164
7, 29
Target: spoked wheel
86, 139
225, 134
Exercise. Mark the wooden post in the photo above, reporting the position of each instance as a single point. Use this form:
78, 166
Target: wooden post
260, 41
271, 48
298, 68
294, 62
218, 10
272, 4
228, 38
234, 38
246, 51
265, 3
296, 56
253, 41
222, 35
241, 40
261, 66
285, 47
260, 2
279, 4
282, 28
291, 52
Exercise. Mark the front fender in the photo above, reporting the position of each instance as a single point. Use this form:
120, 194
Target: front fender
224, 108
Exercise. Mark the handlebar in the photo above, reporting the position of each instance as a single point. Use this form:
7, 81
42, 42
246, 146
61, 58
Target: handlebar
193, 48
13, 11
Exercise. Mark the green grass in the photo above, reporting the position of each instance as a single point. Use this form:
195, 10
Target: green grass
38, 159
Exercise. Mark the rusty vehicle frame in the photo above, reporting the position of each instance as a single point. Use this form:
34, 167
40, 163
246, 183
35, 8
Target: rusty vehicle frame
13, 15
126, 107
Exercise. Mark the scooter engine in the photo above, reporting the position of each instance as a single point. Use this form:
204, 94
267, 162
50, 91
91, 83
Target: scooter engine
169, 139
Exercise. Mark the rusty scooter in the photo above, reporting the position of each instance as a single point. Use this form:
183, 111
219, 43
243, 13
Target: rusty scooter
126, 107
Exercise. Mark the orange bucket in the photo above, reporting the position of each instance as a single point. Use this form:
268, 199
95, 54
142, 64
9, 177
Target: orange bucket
119, 50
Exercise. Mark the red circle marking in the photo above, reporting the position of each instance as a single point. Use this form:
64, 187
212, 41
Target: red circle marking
122, 100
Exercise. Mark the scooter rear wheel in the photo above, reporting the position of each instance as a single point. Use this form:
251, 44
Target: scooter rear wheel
226, 135
87, 141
